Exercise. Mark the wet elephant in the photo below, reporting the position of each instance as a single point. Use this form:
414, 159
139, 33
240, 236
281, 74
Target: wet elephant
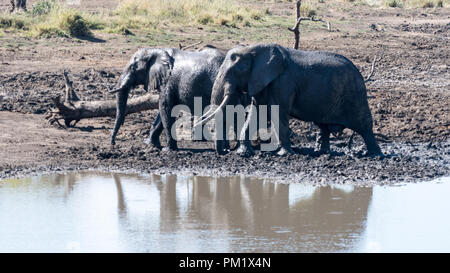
177, 75
320, 87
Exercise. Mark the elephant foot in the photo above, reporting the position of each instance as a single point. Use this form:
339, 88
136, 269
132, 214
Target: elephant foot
154, 143
374, 154
171, 146
285, 151
222, 147
322, 150
169, 149
245, 151
221, 152
226, 145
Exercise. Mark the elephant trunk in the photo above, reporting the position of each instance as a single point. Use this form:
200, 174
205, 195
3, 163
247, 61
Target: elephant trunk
218, 91
125, 81
121, 100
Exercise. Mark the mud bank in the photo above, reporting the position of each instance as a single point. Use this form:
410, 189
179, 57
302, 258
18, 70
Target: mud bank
45, 149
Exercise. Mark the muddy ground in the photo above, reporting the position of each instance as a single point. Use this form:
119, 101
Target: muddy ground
409, 98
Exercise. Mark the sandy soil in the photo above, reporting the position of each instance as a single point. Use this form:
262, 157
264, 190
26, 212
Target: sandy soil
409, 98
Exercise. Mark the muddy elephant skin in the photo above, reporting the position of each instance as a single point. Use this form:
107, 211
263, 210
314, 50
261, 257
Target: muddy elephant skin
320, 87
177, 75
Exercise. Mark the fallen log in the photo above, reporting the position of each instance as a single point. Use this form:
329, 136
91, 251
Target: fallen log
72, 110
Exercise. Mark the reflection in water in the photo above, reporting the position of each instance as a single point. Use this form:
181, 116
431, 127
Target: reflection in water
134, 213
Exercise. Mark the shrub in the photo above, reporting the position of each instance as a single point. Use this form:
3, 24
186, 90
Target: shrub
428, 4
394, 3
75, 24
47, 31
238, 18
62, 21
205, 20
255, 16
15, 21
307, 11
223, 21
42, 7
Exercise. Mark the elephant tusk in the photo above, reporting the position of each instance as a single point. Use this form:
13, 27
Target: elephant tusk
115, 90
202, 117
205, 120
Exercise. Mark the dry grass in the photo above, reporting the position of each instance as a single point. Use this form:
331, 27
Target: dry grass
52, 18
403, 3
135, 13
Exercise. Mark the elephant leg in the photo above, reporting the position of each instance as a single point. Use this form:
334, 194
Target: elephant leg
245, 146
284, 134
122, 98
226, 139
323, 139
166, 103
23, 5
371, 143
155, 132
222, 143
236, 135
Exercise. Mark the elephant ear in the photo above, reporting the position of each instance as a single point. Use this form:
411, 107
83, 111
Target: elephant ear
161, 65
268, 63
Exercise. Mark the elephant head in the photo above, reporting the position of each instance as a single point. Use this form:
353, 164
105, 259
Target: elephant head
147, 67
245, 70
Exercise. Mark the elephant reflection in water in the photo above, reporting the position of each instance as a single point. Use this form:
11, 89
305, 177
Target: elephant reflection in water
316, 219
121, 205
333, 217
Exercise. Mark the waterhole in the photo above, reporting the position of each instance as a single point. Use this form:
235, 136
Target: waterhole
109, 212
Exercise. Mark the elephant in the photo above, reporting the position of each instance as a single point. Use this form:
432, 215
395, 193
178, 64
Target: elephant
314, 86
178, 76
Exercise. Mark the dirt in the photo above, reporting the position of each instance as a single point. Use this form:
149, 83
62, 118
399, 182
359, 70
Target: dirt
408, 96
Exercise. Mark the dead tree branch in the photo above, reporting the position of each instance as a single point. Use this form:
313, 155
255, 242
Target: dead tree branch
72, 110
372, 68
299, 19
70, 94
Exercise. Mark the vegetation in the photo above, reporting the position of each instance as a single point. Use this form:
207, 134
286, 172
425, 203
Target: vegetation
394, 3
42, 7
415, 3
402, 3
175, 12
49, 18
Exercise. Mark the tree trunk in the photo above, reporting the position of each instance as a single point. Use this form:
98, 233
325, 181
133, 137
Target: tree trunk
75, 111
72, 109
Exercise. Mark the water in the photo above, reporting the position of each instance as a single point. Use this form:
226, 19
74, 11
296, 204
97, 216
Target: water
91, 212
